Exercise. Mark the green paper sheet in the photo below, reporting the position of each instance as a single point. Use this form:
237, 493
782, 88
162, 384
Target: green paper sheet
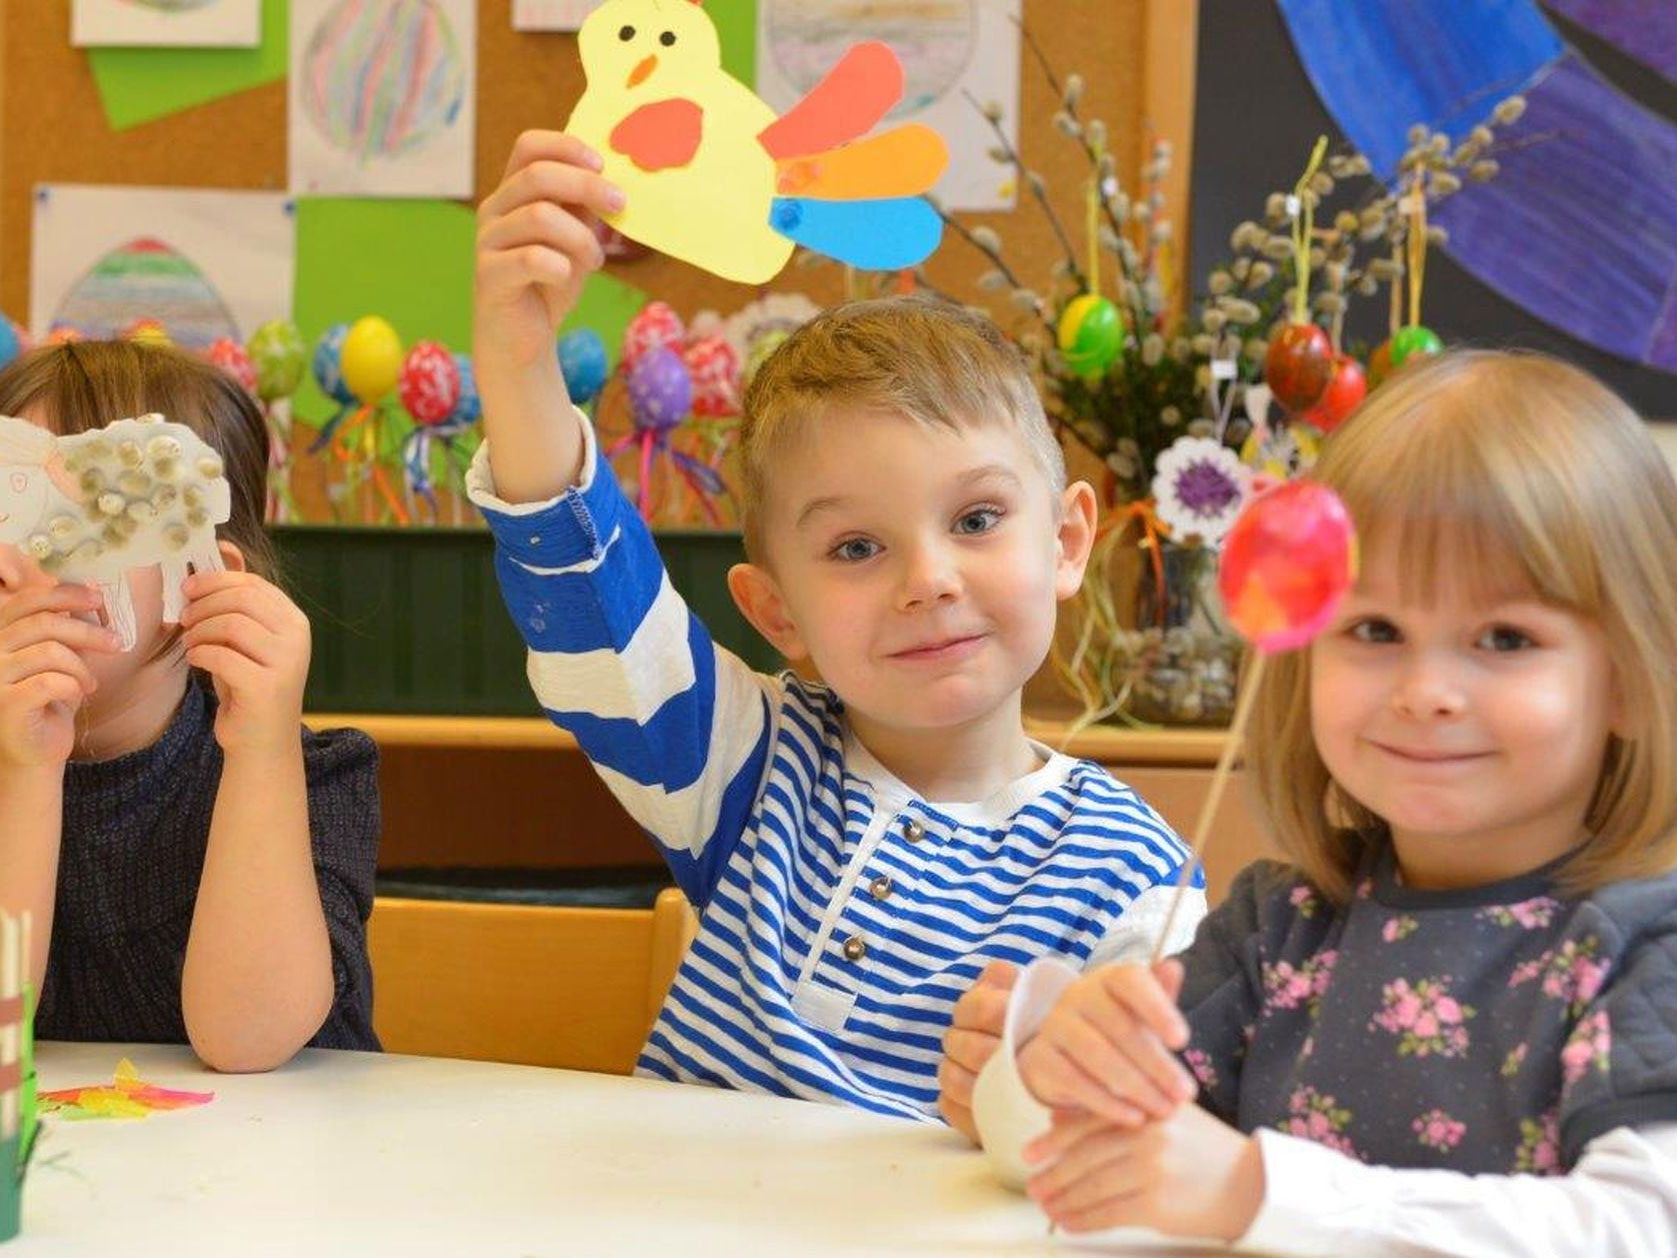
140, 84
736, 27
409, 261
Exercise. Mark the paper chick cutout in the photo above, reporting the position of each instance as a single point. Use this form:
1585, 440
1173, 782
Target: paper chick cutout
92, 507
126, 1096
714, 178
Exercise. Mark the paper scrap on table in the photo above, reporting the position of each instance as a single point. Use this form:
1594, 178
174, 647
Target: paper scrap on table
714, 177
127, 1096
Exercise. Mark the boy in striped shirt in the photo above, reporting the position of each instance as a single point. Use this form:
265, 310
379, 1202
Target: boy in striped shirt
858, 849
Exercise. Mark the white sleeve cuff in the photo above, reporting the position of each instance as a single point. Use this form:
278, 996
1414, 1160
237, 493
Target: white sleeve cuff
1008, 1117
480, 484
1130, 939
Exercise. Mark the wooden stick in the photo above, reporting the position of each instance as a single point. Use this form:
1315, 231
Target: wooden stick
1213, 797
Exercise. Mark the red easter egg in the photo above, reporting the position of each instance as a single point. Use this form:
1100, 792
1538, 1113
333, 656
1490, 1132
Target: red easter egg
1286, 564
234, 359
657, 326
429, 385
1347, 387
1298, 365
714, 365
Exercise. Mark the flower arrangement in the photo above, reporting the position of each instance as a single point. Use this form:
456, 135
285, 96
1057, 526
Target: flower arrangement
1191, 413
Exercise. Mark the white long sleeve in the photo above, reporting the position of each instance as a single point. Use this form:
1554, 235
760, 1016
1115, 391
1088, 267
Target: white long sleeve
1619, 1201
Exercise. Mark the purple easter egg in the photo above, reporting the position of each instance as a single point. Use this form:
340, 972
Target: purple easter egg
660, 390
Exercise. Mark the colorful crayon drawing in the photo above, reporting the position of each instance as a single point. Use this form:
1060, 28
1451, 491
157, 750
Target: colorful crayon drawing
381, 96
147, 279
551, 15
381, 77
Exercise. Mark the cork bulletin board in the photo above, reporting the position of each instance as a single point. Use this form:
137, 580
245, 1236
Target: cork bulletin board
56, 132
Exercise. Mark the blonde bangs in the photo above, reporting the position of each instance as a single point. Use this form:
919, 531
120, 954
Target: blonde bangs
1508, 476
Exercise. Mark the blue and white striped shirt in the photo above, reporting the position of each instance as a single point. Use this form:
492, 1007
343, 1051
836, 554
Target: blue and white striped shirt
841, 916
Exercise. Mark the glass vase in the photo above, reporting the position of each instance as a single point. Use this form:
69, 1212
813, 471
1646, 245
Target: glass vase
1178, 654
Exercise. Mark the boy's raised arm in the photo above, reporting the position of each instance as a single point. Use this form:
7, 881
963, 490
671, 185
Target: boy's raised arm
535, 249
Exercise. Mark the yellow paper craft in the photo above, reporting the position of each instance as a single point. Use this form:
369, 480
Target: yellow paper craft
714, 177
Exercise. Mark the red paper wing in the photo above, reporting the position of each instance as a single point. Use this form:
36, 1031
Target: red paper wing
857, 92
661, 135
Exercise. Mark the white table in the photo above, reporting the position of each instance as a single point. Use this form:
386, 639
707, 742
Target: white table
357, 1153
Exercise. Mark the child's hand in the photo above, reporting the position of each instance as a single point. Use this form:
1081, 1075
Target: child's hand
1190, 1175
254, 642
1105, 1048
43, 678
536, 245
972, 1039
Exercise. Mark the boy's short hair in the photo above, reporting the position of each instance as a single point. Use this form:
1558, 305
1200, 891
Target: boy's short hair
928, 360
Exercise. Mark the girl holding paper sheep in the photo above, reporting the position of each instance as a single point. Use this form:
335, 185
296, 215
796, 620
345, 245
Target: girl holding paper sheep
203, 862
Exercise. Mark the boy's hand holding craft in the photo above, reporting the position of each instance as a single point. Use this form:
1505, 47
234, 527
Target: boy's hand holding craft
974, 1035
45, 626
254, 642
536, 246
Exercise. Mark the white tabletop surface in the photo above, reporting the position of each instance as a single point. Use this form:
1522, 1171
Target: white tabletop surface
357, 1153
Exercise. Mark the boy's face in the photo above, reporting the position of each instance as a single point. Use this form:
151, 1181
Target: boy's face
918, 567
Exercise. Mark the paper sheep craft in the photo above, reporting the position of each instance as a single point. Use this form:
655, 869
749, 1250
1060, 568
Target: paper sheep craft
92, 507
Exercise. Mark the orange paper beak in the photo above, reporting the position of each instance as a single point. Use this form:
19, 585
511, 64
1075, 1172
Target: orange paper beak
642, 71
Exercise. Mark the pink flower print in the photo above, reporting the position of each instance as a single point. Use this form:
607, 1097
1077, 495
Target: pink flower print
1437, 1130
1287, 986
1540, 1146
1528, 914
1201, 1065
1572, 973
1316, 1117
1365, 888
1427, 1020
1516, 1058
1303, 898
1589, 1045
1400, 927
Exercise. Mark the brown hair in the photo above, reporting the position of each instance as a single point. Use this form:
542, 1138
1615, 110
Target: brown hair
931, 361
81, 385
1520, 476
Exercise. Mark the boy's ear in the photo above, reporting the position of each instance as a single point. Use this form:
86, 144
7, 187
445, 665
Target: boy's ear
759, 599
1075, 538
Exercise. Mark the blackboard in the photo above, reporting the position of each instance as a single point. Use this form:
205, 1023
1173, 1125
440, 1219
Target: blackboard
1255, 118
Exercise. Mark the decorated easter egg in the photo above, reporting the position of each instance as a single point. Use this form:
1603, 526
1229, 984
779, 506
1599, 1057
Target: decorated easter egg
379, 78
429, 385
148, 331
146, 278
585, 364
1345, 390
1298, 364
714, 368
468, 407
234, 359
1286, 565
372, 358
328, 364
660, 390
279, 355
657, 324
1091, 335
1414, 341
